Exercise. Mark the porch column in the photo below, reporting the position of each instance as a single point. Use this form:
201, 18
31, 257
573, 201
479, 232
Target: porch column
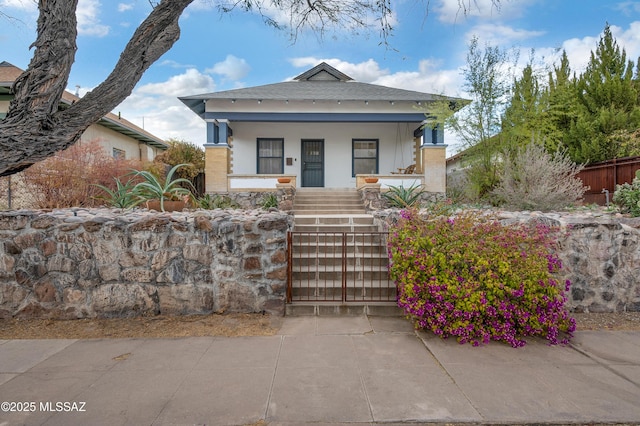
434, 167
216, 167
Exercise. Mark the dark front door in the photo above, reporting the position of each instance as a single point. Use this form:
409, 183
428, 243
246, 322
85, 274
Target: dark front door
313, 162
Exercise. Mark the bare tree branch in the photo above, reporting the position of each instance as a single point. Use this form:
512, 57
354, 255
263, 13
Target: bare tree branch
34, 129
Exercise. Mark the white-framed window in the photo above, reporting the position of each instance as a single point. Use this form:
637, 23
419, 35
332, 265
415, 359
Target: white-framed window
270, 156
365, 156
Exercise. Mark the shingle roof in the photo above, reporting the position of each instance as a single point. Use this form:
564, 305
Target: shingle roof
9, 73
320, 83
319, 90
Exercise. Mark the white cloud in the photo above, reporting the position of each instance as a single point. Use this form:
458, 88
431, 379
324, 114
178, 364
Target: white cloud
629, 39
231, 68
366, 71
123, 7
174, 64
26, 5
188, 83
579, 49
156, 107
88, 20
501, 34
427, 78
201, 5
629, 8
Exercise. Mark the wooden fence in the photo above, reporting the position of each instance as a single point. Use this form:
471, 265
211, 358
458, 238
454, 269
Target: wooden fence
605, 176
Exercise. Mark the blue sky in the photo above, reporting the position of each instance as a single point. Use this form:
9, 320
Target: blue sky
226, 51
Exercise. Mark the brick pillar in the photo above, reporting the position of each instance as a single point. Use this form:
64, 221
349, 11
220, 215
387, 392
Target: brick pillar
216, 167
434, 165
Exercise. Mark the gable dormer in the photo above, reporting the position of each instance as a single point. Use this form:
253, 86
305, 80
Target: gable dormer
323, 72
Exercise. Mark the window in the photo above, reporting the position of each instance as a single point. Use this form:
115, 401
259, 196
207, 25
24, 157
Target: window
270, 156
119, 154
365, 156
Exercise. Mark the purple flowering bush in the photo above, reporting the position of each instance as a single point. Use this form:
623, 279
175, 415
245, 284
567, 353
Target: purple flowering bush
471, 277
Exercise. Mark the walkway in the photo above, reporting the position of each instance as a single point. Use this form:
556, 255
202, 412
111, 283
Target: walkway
321, 369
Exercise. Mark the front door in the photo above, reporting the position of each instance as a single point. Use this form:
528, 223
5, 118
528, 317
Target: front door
312, 162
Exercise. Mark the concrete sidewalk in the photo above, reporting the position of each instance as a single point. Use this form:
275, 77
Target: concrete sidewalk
320, 370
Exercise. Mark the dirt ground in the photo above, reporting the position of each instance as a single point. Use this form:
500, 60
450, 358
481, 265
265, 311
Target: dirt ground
147, 327
218, 325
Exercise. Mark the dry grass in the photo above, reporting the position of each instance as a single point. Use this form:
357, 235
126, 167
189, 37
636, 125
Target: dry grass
229, 325
142, 327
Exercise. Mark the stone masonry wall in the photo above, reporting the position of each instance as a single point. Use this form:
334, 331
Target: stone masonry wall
600, 254
107, 263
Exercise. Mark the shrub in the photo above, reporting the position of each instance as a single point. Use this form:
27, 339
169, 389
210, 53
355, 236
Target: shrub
122, 196
269, 201
533, 179
152, 188
627, 196
475, 279
190, 155
401, 197
209, 202
68, 179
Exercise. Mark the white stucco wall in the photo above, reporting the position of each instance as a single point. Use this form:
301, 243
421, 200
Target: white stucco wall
396, 146
110, 139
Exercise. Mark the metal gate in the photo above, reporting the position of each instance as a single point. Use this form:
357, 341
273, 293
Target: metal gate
339, 267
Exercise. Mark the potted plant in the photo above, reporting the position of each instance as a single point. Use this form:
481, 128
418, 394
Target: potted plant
164, 192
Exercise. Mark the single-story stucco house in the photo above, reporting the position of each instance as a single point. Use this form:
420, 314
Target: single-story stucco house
119, 137
322, 129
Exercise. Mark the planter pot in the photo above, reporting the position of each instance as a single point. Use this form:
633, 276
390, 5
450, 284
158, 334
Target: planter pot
169, 206
371, 180
284, 180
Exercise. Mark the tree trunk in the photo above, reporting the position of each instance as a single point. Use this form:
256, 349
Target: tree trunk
35, 127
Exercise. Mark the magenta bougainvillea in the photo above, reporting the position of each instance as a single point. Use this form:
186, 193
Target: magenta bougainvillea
473, 278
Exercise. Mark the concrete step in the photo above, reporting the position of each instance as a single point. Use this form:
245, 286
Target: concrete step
329, 274
328, 201
322, 211
309, 260
333, 219
336, 228
386, 309
301, 252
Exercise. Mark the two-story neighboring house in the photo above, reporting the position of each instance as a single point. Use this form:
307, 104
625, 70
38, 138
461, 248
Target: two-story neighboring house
119, 137
322, 129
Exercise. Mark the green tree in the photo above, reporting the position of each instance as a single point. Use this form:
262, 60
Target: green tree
479, 124
186, 153
523, 118
560, 103
608, 99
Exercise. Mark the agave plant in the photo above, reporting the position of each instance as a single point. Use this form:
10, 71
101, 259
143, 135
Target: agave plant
401, 197
269, 201
209, 202
122, 196
152, 188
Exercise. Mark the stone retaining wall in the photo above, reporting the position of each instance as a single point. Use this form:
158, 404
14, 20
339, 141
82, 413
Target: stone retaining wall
600, 256
104, 263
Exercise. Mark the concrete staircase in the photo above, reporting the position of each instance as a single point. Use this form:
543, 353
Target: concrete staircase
317, 261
